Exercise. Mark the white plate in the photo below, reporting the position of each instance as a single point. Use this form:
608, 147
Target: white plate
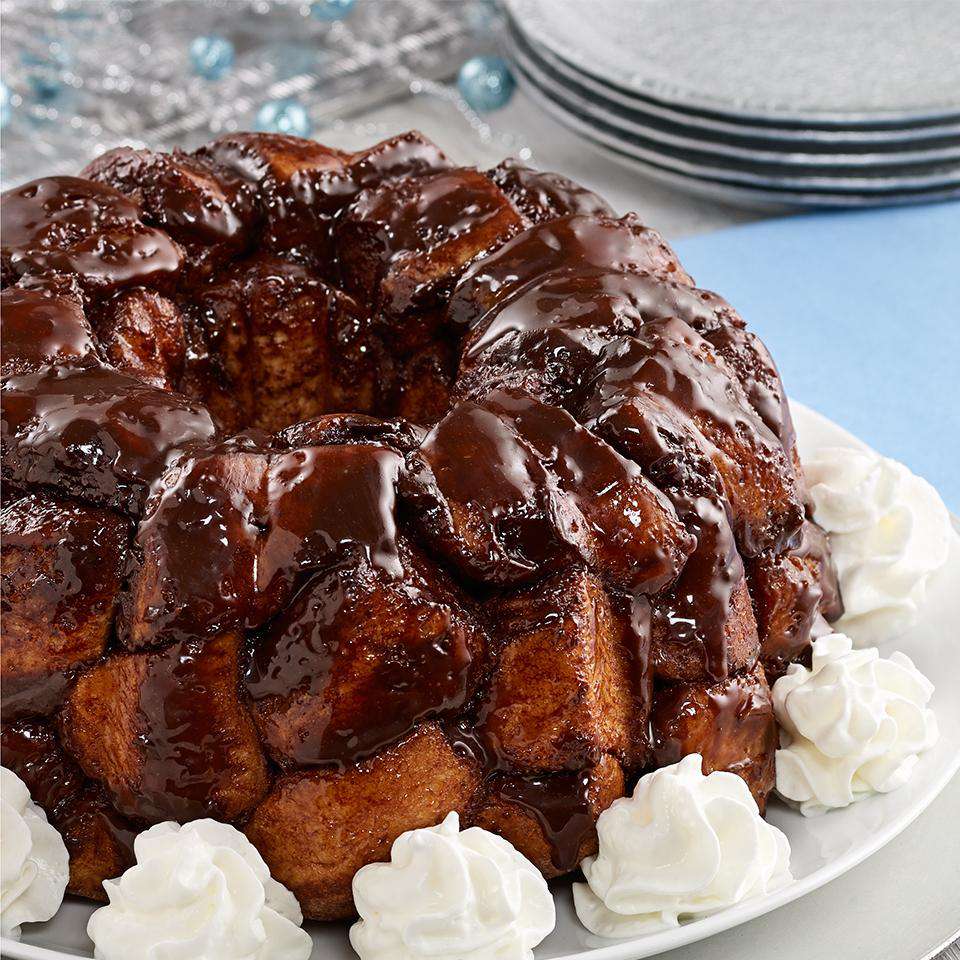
822, 847
820, 61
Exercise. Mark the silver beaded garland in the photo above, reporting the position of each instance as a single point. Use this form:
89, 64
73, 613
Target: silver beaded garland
81, 76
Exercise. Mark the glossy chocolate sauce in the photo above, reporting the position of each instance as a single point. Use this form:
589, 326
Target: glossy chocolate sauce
483, 496
304, 186
569, 244
194, 733
31, 750
193, 199
95, 433
404, 243
356, 661
261, 521
40, 328
731, 724
78, 809
561, 805
608, 413
69, 225
540, 196
613, 516
559, 802
61, 577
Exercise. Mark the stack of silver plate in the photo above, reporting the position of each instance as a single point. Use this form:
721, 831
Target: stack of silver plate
812, 102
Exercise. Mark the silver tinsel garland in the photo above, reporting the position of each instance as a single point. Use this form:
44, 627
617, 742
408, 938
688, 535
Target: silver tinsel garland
84, 75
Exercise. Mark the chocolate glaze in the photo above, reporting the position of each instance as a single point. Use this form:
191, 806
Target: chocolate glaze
404, 243
78, 809
815, 546
303, 185
192, 198
31, 750
560, 803
371, 687
340, 428
62, 585
647, 398
42, 328
420, 213
730, 724
668, 372
540, 196
536, 487
603, 409
610, 511
261, 521
473, 464
568, 244
69, 225
792, 593
95, 433
185, 746
561, 322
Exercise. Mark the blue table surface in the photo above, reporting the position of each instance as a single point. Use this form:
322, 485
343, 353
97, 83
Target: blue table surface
861, 312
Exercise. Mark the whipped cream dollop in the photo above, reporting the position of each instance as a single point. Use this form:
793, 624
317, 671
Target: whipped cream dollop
850, 726
889, 533
452, 895
198, 892
34, 863
683, 845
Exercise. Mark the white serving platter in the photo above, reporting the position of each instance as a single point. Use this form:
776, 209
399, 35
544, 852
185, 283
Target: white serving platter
823, 848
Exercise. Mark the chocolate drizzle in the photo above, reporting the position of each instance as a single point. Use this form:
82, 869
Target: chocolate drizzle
569, 244
540, 196
357, 660
42, 328
560, 803
96, 433
69, 225
192, 731
261, 521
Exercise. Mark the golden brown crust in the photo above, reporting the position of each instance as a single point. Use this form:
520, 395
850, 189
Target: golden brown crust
565, 688
317, 828
166, 733
730, 724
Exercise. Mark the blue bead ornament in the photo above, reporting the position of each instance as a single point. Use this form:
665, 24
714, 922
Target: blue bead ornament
43, 72
211, 55
6, 108
486, 83
330, 10
284, 116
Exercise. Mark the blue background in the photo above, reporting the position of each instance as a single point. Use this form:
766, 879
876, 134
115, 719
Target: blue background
861, 312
